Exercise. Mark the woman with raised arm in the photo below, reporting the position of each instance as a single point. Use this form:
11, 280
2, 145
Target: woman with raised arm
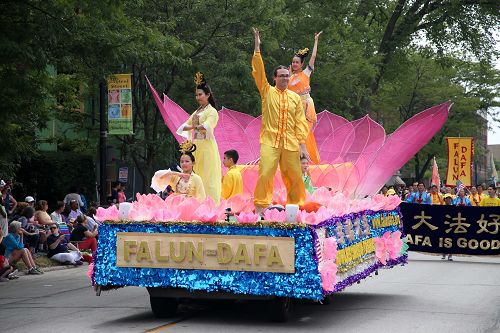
299, 83
199, 128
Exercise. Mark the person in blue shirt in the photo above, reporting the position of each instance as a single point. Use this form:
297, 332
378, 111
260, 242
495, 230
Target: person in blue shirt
420, 196
15, 250
461, 199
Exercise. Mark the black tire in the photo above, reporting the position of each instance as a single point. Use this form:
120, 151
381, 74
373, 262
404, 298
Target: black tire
163, 307
280, 309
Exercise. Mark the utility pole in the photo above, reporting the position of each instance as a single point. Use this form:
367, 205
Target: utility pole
103, 130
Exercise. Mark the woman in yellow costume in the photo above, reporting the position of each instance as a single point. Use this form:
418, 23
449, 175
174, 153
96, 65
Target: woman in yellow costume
185, 183
200, 129
299, 83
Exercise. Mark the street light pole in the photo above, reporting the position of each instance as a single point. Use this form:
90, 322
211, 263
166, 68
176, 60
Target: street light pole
103, 130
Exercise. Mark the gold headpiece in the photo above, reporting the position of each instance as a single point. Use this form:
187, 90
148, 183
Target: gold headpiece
187, 147
198, 78
303, 52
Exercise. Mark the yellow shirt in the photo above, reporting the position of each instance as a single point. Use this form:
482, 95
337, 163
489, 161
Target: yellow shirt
490, 202
192, 188
475, 199
437, 199
232, 183
283, 118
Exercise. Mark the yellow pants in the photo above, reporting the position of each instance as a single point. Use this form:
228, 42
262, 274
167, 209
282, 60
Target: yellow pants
291, 173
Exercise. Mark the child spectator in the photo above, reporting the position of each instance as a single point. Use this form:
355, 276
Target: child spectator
31, 236
59, 219
232, 183
121, 194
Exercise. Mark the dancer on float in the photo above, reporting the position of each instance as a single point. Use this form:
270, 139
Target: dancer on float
306, 175
199, 128
185, 183
300, 83
282, 134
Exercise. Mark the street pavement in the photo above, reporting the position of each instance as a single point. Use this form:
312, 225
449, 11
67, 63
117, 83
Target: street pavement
427, 295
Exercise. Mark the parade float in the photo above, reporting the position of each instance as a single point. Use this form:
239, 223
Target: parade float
184, 248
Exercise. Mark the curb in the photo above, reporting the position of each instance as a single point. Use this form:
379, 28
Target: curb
53, 269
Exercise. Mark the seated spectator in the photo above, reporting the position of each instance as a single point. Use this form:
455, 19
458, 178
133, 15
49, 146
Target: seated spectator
74, 211
73, 196
60, 250
15, 250
30, 201
5, 268
4, 222
81, 234
56, 216
91, 222
31, 236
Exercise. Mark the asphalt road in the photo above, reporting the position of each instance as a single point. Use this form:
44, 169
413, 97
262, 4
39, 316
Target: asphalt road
427, 295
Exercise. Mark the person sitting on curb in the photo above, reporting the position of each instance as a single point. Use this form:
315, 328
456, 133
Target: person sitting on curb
15, 250
81, 234
60, 250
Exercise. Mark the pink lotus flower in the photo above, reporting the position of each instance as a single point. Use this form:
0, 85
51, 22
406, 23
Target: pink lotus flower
165, 215
187, 208
207, 211
391, 202
328, 272
247, 218
140, 212
275, 215
330, 248
240, 203
107, 214
307, 218
322, 196
388, 246
279, 196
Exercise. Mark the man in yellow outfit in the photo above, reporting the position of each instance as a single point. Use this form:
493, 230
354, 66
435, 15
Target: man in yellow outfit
283, 134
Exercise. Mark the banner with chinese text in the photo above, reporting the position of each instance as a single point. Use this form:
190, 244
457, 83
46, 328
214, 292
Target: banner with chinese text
452, 229
460, 153
120, 104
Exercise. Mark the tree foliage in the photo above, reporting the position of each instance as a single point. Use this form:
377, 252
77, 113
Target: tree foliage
387, 58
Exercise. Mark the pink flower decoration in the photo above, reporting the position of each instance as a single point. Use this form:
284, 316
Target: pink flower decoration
187, 208
391, 202
388, 246
307, 218
90, 271
240, 203
279, 196
207, 211
140, 212
330, 248
247, 218
275, 215
397, 243
107, 214
328, 272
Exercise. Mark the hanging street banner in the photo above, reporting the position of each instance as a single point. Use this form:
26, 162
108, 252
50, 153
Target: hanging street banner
460, 153
452, 229
120, 104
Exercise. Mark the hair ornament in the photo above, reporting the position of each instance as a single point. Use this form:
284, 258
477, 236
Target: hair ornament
187, 147
199, 79
303, 52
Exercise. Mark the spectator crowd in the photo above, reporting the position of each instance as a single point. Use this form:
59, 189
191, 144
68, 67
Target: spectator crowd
28, 230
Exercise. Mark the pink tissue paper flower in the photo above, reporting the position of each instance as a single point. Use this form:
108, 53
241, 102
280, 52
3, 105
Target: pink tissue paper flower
307, 218
107, 214
328, 272
388, 246
330, 248
275, 215
247, 218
